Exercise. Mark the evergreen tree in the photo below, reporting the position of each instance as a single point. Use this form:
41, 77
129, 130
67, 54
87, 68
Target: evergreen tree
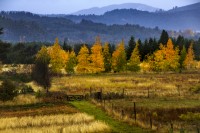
131, 46
67, 47
40, 72
164, 38
1, 31
107, 58
97, 60
134, 62
119, 58
83, 58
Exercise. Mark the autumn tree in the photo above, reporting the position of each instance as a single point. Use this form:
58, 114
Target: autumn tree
58, 57
182, 58
40, 72
189, 60
107, 58
167, 58
119, 58
71, 62
83, 60
97, 60
134, 62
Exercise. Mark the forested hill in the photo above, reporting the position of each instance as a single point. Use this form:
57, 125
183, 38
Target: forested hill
176, 19
112, 26
31, 27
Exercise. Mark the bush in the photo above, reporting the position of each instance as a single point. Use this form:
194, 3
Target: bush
195, 89
7, 90
27, 90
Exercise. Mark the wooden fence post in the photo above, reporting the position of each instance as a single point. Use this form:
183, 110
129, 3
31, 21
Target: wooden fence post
101, 95
123, 93
112, 107
104, 103
135, 111
90, 92
150, 119
122, 113
172, 128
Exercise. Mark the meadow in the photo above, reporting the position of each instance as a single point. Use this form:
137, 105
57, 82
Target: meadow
165, 98
131, 102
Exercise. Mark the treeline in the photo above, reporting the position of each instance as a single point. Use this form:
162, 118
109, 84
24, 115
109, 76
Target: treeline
100, 58
24, 53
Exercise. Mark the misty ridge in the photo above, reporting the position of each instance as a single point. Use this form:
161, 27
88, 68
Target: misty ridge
112, 26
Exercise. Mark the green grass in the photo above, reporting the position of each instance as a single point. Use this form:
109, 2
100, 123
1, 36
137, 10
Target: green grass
116, 126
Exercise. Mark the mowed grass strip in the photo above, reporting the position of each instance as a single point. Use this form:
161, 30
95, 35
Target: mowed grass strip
116, 126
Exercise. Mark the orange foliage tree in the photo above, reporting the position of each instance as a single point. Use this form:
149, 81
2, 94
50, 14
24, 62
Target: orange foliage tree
97, 60
167, 58
83, 58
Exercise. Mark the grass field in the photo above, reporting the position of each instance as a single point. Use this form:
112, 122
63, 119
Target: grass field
165, 96
166, 99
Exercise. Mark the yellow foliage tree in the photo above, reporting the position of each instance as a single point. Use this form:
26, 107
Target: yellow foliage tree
83, 60
189, 60
119, 58
134, 62
107, 57
71, 62
58, 57
167, 58
97, 60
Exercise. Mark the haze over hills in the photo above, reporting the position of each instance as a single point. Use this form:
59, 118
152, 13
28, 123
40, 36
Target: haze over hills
182, 18
112, 26
195, 6
102, 10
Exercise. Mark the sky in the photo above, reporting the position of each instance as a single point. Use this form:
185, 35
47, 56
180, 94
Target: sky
71, 6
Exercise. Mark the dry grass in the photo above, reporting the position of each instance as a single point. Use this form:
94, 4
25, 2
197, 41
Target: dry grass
134, 84
22, 100
75, 123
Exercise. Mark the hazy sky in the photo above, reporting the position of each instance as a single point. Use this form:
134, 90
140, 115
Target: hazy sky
70, 6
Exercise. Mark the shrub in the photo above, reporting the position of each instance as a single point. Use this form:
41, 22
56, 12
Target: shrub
7, 90
190, 116
195, 89
27, 90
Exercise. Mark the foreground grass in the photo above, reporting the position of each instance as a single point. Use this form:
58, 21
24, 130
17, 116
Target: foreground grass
73, 123
116, 126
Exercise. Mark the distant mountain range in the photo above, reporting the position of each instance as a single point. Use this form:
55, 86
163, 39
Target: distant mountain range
112, 26
180, 18
102, 10
24, 26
